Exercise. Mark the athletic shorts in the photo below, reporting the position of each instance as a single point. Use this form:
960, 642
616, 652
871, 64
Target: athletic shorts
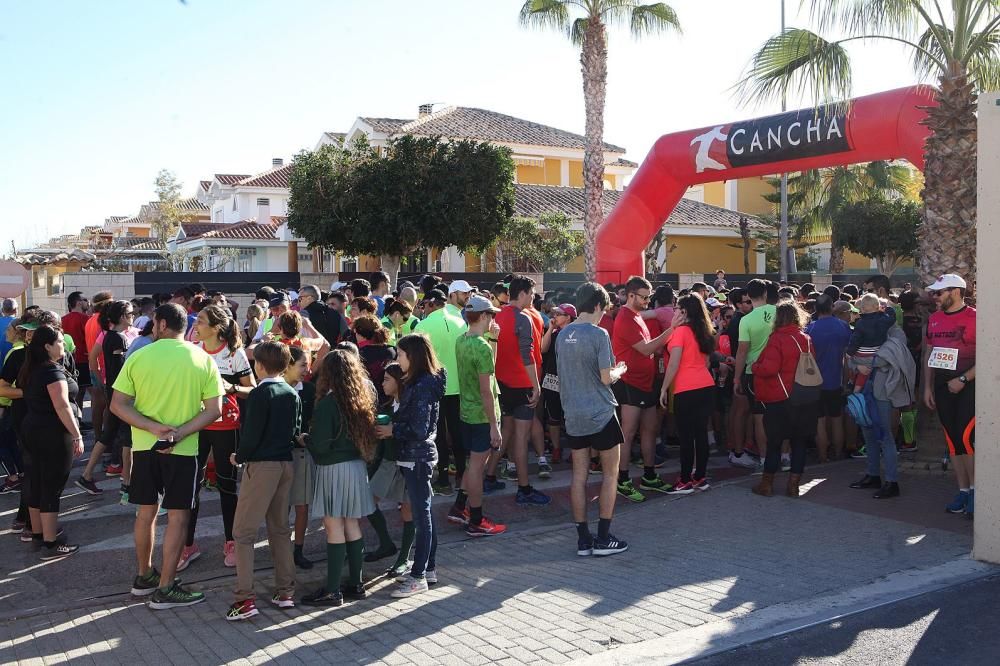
831, 403
173, 477
756, 406
476, 437
83, 370
603, 440
553, 407
627, 394
514, 402
957, 413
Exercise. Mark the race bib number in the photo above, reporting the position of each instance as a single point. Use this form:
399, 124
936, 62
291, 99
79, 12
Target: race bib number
551, 382
943, 358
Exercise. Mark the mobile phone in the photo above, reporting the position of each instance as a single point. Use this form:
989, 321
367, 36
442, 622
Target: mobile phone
162, 444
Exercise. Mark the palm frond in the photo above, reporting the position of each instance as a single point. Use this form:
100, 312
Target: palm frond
798, 61
653, 19
896, 17
545, 14
984, 64
929, 59
577, 30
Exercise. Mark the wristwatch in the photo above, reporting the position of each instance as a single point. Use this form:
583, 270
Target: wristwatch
963, 379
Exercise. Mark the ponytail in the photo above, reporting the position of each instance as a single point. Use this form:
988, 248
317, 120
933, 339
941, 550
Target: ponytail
232, 335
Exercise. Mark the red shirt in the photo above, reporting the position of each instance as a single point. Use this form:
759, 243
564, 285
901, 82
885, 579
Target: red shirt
537, 330
608, 324
956, 330
692, 373
74, 324
510, 367
91, 330
629, 330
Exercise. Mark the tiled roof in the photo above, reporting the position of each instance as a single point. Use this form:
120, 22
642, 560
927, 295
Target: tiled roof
205, 185
247, 229
622, 162
190, 205
385, 125
193, 229
230, 178
150, 244
277, 177
534, 200
336, 137
462, 122
114, 219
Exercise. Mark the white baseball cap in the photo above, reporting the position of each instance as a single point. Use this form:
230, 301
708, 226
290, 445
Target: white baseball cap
337, 286
947, 281
459, 285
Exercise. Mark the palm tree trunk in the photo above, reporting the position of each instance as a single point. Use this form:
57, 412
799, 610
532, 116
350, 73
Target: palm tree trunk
594, 64
948, 234
745, 236
836, 252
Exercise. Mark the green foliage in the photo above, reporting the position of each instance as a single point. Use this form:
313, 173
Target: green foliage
881, 229
421, 193
538, 246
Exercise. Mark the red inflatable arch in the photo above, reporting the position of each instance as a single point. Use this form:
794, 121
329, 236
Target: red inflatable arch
885, 126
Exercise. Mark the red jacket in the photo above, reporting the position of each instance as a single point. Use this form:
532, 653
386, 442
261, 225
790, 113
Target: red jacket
779, 358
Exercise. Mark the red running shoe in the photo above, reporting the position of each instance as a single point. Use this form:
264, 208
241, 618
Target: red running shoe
485, 528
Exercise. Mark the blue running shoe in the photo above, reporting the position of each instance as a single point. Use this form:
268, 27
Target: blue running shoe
959, 503
970, 504
532, 498
490, 487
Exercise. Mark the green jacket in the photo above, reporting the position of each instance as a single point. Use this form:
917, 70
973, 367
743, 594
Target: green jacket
329, 440
444, 327
272, 417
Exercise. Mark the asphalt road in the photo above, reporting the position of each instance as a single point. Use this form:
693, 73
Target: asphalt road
953, 627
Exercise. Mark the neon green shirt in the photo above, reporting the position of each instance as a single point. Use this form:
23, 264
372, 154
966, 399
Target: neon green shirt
444, 327
755, 328
169, 379
474, 357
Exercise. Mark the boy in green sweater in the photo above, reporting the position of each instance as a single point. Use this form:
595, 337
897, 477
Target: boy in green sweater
271, 420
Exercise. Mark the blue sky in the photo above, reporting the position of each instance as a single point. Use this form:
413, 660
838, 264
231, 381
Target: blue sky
100, 95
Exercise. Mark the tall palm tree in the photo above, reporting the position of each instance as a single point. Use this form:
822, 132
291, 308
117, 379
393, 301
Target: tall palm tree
958, 43
589, 31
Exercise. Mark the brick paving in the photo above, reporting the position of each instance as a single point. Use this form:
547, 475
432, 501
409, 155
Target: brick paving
526, 598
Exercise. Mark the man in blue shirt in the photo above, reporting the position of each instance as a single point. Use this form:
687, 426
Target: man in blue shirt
830, 337
8, 313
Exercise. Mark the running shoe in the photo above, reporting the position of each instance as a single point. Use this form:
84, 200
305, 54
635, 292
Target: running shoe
431, 576
485, 528
26, 535
610, 546
123, 496
398, 569
323, 598
451, 470
410, 587
859, 454
700, 485
532, 498
681, 488
627, 490
174, 597
444, 489
508, 470
786, 462
490, 487
544, 470
971, 503
88, 486
10, 486
143, 586
229, 554
595, 467
585, 548
457, 516
58, 551
17, 525
209, 485
355, 592
113, 470
908, 448
188, 555
959, 503
656, 483
242, 610
283, 600
744, 460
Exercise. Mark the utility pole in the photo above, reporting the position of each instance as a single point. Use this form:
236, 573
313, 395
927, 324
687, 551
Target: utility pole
783, 229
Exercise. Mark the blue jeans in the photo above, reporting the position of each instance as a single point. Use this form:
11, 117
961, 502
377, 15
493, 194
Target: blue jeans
418, 490
883, 449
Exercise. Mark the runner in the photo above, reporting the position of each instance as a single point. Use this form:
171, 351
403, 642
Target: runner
168, 391
755, 329
830, 337
74, 324
950, 384
219, 336
92, 329
632, 345
587, 370
480, 413
562, 316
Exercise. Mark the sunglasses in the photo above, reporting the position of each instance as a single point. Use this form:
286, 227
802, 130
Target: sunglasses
935, 294
643, 298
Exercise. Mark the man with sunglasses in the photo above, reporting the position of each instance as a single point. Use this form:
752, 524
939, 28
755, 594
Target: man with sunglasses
949, 383
633, 345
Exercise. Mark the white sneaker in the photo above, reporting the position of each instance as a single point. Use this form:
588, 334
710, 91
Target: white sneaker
742, 460
786, 462
409, 587
431, 576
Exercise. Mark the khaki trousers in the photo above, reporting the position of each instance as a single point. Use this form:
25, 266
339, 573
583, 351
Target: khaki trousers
264, 498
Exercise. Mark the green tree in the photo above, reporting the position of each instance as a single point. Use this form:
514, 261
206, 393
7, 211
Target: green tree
881, 229
542, 245
957, 45
589, 31
168, 215
422, 192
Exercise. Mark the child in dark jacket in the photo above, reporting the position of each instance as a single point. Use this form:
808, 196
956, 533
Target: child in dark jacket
414, 427
870, 332
271, 420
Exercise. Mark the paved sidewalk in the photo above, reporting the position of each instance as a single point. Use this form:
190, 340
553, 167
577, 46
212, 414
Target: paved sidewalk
526, 598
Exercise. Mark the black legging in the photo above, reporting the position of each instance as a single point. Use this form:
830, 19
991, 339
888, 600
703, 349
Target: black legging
220, 443
797, 424
693, 409
51, 450
449, 429
110, 429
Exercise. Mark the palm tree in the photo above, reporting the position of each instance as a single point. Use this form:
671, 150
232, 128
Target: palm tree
959, 45
589, 31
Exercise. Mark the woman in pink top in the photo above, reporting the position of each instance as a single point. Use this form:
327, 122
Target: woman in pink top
693, 387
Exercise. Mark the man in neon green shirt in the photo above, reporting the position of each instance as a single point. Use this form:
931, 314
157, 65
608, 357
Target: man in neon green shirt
167, 391
755, 329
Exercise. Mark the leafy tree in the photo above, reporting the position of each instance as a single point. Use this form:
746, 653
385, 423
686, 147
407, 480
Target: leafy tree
421, 193
881, 229
959, 48
542, 245
590, 33
168, 214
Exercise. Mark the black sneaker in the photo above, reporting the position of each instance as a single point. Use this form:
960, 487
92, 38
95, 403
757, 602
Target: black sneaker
323, 598
88, 486
867, 482
143, 586
609, 546
174, 597
356, 592
585, 548
888, 489
301, 561
58, 551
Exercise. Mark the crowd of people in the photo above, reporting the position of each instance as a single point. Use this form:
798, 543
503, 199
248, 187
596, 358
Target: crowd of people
334, 402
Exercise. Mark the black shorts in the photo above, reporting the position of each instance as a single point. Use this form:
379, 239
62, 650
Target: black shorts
476, 437
957, 412
83, 370
155, 474
553, 407
831, 403
756, 406
514, 402
603, 440
627, 394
